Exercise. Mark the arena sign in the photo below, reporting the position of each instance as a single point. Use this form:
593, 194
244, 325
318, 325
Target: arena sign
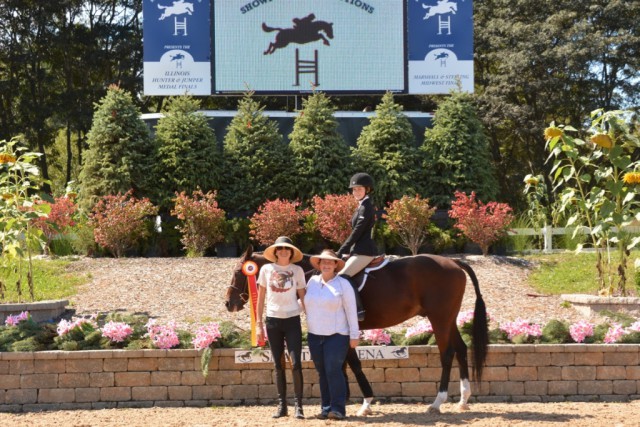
293, 46
440, 35
376, 352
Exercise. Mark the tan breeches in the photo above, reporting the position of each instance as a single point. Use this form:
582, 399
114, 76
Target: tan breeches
355, 264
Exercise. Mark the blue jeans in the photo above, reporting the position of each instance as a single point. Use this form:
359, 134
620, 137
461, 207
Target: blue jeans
328, 354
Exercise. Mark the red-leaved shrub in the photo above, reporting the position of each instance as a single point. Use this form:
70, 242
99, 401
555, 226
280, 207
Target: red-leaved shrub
480, 223
276, 218
333, 216
120, 221
409, 217
60, 217
202, 221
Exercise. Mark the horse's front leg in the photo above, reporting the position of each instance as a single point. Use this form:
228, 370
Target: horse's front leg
324, 40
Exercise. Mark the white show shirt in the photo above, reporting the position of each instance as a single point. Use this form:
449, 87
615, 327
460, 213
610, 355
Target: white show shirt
331, 307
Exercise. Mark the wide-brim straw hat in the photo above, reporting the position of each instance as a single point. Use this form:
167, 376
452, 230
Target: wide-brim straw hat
270, 252
327, 254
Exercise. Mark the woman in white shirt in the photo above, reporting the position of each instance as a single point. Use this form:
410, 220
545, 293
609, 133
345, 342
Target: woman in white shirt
332, 323
281, 284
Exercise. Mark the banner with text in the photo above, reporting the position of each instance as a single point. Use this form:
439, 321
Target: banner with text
440, 44
292, 46
177, 47
373, 352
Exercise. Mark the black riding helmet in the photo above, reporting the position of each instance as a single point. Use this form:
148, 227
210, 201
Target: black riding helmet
362, 180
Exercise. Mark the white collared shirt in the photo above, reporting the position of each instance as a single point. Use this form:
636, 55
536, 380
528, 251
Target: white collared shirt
331, 307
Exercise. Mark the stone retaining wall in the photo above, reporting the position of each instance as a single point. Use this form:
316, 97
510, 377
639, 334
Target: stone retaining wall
144, 378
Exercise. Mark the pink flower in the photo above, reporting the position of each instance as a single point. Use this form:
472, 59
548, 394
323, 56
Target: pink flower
162, 336
422, 327
464, 317
13, 320
615, 332
66, 326
377, 337
634, 328
521, 327
206, 335
117, 331
581, 330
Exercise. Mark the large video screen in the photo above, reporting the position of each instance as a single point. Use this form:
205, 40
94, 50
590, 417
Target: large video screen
292, 46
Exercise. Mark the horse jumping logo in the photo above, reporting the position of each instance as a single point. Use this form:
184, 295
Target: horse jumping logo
441, 8
400, 353
177, 8
305, 30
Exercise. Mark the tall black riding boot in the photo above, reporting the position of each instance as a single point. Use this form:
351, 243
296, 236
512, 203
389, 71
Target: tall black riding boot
297, 389
281, 384
359, 307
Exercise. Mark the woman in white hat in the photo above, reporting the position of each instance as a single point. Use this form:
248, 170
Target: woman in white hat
332, 323
281, 284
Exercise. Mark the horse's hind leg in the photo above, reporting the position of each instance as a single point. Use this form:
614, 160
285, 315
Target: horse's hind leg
463, 365
446, 360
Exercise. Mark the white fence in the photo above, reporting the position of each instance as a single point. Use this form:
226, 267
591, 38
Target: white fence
548, 232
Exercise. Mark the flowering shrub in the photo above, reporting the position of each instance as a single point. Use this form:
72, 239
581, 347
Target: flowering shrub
481, 223
276, 218
522, 329
376, 337
202, 221
163, 336
206, 335
410, 217
117, 331
59, 218
581, 330
66, 326
333, 216
615, 332
13, 320
120, 221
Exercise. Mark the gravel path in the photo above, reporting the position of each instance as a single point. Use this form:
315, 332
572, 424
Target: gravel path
193, 289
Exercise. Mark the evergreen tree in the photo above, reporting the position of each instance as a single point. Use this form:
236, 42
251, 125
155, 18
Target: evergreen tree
385, 150
189, 157
121, 154
321, 157
455, 154
257, 161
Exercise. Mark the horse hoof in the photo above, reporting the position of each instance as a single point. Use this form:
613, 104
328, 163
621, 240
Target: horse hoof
433, 410
463, 406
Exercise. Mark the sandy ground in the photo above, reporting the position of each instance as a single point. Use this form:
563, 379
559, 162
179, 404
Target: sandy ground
397, 414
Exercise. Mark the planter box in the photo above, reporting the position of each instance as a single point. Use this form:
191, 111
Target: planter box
590, 304
99, 379
40, 311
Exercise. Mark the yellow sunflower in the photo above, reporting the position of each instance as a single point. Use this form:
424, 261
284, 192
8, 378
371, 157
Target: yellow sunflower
7, 158
602, 139
552, 132
631, 178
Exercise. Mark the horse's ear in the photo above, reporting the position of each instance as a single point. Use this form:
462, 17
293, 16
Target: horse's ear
248, 252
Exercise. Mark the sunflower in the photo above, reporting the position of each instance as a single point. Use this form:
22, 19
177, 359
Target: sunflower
631, 178
7, 158
552, 132
602, 139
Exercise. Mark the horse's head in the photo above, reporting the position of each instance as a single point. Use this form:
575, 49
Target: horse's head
328, 29
238, 290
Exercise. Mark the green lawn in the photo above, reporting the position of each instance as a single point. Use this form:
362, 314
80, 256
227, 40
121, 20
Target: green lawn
51, 281
568, 273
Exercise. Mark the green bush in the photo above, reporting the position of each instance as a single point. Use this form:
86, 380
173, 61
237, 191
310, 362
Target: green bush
556, 332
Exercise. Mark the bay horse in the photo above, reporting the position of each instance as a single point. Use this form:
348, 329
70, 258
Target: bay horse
309, 32
424, 285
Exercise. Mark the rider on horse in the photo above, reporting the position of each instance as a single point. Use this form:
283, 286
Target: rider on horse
359, 245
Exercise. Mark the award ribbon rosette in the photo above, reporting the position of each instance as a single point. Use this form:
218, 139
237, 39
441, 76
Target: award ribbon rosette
250, 269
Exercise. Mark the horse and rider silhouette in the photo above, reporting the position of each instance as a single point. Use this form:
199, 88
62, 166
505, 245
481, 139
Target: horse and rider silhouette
305, 30
440, 8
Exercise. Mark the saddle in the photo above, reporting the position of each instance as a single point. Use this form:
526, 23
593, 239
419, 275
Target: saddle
376, 264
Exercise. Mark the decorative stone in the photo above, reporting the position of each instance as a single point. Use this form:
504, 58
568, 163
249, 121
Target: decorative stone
40, 311
591, 304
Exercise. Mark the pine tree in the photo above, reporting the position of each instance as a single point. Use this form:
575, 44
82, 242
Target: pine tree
385, 150
320, 154
455, 154
121, 154
257, 162
189, 157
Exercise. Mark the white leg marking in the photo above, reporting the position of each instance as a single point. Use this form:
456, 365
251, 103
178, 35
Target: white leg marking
465, 392
440, 399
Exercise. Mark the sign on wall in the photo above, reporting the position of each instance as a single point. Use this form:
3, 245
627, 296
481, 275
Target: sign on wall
440, 45
294, 46
374, 352
177, 47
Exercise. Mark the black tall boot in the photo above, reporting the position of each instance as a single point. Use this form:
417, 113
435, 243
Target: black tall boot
297, 389
359, 307
281, 384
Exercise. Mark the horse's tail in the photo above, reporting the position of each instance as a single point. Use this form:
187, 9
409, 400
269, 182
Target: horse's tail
480, 325
268, 29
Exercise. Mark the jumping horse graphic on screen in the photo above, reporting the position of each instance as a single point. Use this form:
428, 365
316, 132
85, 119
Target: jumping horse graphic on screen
305, 30
177, 8
440, 8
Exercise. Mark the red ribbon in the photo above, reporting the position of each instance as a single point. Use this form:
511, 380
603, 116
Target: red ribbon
250, 269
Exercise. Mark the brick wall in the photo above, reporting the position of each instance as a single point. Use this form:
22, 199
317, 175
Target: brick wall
144, 378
